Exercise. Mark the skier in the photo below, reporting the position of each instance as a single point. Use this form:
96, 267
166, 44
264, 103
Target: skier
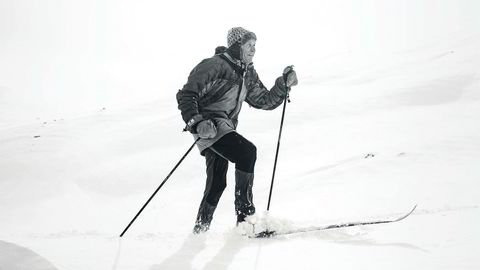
210, 103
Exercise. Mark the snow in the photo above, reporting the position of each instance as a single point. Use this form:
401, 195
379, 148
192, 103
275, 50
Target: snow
386, 115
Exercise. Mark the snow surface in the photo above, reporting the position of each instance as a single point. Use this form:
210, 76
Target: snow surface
377, 124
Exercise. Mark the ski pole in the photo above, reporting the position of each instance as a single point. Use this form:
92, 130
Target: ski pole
159, 187
279, 137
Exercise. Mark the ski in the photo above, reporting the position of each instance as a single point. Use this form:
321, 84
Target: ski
268, 234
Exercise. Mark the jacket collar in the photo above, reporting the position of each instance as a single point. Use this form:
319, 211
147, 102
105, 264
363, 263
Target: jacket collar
236, 64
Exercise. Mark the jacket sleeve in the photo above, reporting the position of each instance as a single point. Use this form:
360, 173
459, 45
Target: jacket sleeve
187, 98
261, 98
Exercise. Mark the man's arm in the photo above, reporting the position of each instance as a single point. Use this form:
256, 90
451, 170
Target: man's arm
187, 98
261, 98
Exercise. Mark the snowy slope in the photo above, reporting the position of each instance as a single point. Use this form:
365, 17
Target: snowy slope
368, 134
68, 193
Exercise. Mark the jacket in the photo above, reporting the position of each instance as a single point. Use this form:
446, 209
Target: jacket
216, 89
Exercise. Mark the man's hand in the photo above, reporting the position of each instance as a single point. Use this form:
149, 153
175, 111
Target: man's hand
290, 76
206, 129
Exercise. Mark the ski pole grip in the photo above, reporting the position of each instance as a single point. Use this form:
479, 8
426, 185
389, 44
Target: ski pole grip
285, 74
285, 77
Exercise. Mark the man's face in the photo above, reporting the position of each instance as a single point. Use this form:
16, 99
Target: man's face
248, 51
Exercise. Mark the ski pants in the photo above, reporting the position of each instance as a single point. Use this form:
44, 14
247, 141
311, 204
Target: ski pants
235, 148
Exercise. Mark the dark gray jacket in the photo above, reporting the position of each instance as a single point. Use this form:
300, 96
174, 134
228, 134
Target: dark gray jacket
216, 89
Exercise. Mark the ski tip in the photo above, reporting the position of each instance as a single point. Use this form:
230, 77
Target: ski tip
408, 214
413, 209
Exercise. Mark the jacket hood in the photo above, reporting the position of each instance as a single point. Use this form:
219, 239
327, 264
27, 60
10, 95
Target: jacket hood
220, 49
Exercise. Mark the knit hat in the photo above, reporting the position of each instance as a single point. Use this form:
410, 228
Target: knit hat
239, 34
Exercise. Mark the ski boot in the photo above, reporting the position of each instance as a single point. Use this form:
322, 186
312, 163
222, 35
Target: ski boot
204, 218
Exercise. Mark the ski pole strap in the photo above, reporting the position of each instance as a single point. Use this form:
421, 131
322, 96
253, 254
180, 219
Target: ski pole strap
193, 122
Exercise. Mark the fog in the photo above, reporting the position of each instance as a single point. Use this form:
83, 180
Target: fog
61, 58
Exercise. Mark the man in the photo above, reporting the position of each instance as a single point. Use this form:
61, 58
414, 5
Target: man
210, 102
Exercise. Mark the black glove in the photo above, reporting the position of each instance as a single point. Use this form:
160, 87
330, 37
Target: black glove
290, 77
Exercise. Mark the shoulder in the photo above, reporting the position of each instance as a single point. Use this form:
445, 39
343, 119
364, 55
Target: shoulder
252, 73
211, 64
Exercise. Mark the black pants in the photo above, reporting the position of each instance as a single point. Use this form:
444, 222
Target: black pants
235, 148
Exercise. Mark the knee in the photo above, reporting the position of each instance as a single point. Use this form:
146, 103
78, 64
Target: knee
250, 154
248, 159
253, 153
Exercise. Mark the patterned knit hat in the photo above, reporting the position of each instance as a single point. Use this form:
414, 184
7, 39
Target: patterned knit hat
239, 34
